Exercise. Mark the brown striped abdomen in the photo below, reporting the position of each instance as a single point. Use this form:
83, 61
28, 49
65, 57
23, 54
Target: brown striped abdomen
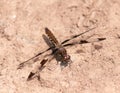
51, 37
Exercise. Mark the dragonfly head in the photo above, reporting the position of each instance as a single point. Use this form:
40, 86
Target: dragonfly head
67, 58
66, 61
63, 56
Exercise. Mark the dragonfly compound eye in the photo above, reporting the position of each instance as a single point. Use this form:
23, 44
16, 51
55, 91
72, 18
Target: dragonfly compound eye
67, 57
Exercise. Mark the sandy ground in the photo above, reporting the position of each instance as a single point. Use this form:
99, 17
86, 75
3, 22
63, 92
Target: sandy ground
95, 67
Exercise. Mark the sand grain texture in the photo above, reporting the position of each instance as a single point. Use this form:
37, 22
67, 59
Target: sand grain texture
95, 67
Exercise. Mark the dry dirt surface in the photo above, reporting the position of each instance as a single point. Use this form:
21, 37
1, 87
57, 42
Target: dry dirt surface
95, 66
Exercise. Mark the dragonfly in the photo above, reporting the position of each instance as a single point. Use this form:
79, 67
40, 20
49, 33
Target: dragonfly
58, 50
